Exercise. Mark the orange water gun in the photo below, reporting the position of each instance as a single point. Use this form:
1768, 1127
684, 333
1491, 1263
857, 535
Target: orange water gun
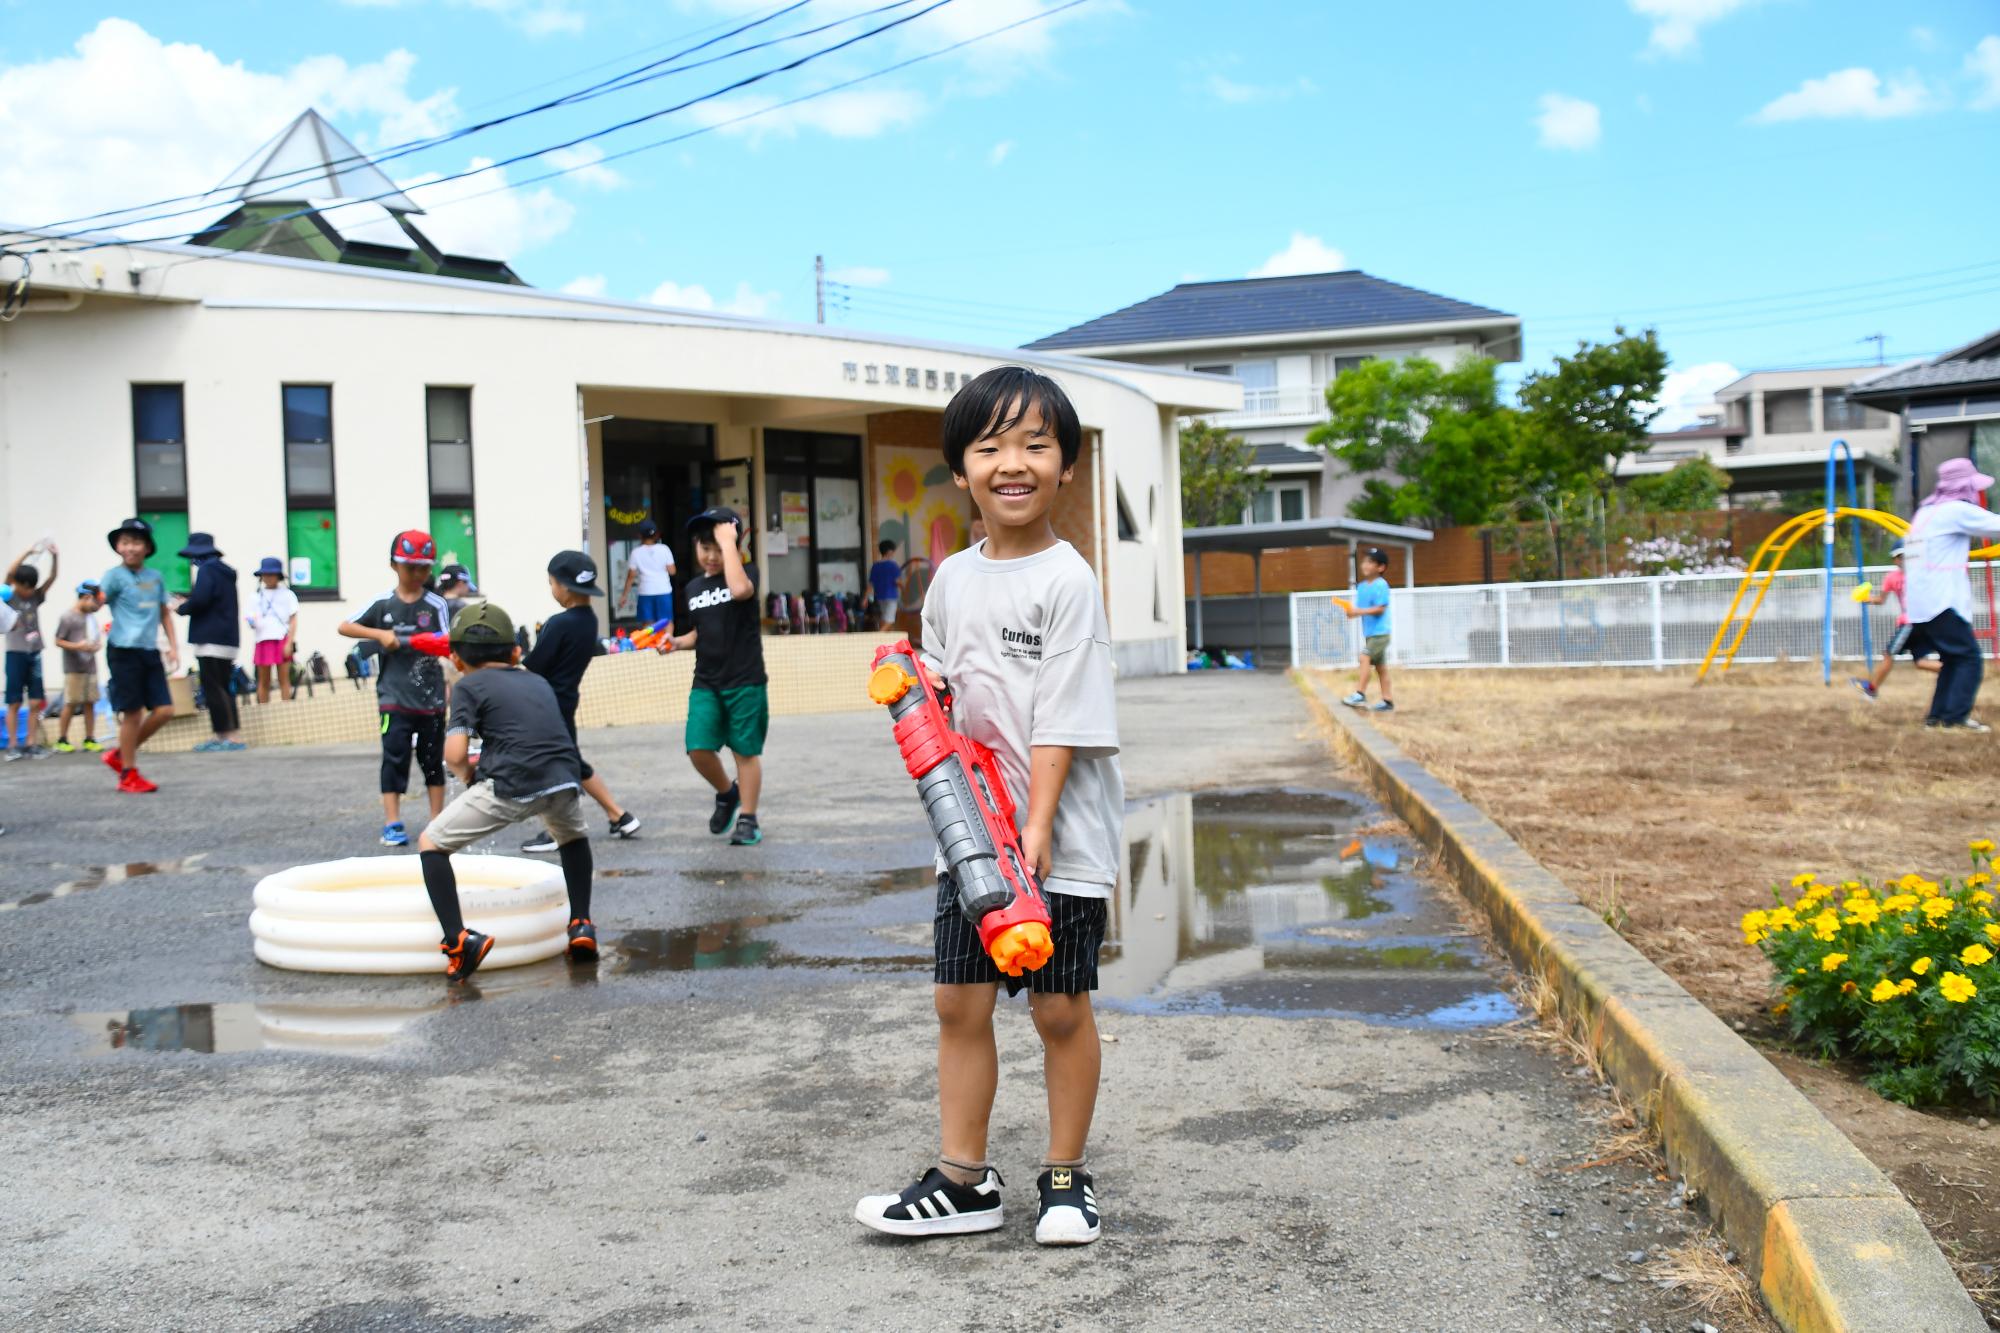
971, 814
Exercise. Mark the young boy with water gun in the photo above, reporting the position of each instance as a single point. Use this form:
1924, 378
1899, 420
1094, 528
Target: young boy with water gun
1016, 627
410, 691
528, 769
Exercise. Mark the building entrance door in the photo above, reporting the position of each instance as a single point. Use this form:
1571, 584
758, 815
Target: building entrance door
662, 471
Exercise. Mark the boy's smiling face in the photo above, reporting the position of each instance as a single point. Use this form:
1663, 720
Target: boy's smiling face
131, 549
1013, 476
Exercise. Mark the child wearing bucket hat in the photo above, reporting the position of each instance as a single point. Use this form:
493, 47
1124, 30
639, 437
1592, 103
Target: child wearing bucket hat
410, 687
274, 621
136, 596
1937, 591
213, 637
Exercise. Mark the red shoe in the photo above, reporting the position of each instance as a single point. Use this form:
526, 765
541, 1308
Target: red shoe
133, 783
111, 761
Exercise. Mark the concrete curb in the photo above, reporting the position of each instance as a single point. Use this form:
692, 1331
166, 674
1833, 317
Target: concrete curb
1832, 1241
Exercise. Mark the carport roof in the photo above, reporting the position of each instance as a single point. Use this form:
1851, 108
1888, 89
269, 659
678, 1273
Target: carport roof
1299, 532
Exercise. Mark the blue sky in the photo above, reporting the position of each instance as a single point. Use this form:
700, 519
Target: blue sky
1768, 183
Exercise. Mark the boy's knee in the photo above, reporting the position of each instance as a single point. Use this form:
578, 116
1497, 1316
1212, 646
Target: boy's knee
962, 1007
1059, 1017
424, 843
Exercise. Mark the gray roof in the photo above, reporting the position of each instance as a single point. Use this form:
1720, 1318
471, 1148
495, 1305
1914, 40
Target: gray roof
1285, 455
1198, 311
1924, 378
1299, 532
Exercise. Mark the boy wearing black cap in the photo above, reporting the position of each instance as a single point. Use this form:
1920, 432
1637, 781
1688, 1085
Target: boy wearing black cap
137, 599
727, 705
76, 636
528, 768
1371, 607
410, 690
562, 654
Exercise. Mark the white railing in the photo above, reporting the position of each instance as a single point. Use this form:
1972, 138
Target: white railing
1291, 400
1663, 621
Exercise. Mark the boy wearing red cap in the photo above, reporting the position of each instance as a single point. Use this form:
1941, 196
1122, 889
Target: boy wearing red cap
410, 686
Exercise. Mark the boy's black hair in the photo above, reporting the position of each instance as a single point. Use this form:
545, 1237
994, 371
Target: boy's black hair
22, 574
883, 548
994, 402
484, 654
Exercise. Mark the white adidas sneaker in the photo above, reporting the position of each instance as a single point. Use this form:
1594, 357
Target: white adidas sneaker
1069, 1207
936, 1205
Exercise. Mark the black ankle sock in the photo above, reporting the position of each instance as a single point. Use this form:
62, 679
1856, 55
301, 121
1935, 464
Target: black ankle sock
442, 886
576, 864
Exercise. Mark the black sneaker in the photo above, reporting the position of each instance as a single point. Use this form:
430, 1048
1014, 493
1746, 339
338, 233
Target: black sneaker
582, 941
463, 959
1069, 1207
936, 1205
625, 825
544, 841
747, 833
725, 810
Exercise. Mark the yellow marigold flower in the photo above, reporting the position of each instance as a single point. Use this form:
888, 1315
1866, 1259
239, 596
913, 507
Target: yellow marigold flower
1979, 897
1832, 962
1981, 846
1899, 902
1977, 880
1753, 926
1803, 878
1800, 970
1862, 911
1779, 1009
1909, 929
1910, 881
1958, 989
1905, 986
1925, 888
1848, 988
1992, 931
1826, 925
1783, 918
1885, 989
1975, 954
1921, 966
1937, 909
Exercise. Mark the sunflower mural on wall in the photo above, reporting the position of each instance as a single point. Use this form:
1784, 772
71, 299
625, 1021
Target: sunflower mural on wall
921, 511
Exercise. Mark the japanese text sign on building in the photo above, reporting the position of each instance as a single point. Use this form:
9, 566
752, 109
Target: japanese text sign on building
920, 378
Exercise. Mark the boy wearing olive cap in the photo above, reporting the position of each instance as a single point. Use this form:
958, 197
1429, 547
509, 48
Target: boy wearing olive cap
528, 768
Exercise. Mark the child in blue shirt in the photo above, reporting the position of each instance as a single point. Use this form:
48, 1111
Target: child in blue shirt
885, 583
1371, 606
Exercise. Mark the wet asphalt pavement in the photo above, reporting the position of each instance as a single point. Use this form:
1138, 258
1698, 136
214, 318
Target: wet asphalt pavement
1313, 1114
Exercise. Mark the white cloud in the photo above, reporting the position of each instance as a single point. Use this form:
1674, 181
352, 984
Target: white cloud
1849, 93
536, 18
1677, 24
998, 153
582, 164
1568, 122
694, 296
860, 275
1225, 89
1688, 395
498, 226
129, 118
856, 114
1305, 254
1984, 65
588, 284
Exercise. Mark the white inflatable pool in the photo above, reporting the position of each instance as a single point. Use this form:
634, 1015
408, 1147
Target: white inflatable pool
371, 914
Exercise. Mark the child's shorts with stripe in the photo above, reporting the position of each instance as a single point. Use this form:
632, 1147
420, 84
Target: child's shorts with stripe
1077, 930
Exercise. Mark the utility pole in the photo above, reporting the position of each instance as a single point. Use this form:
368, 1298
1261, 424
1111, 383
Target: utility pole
819, 287
1875, 338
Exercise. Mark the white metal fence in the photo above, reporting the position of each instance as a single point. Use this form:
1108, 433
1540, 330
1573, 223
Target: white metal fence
1668, 620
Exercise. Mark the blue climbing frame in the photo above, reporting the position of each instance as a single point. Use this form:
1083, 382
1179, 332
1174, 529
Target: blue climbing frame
1835, 453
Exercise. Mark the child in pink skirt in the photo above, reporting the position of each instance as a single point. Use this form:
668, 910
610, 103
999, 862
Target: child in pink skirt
274, 619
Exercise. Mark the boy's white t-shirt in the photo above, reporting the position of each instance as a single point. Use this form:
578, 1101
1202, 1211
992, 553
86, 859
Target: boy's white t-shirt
1027, 650
272, 612
655, 564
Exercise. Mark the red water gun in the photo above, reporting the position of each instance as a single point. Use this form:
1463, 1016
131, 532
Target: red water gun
431, 645
970, 812
645, 637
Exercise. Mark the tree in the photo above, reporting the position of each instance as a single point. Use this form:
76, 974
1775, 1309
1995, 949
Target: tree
1433, 443
1593, 406
1217, 480
1690, 486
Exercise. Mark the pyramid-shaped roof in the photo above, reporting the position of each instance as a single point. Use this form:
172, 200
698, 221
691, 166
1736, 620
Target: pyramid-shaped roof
310, 159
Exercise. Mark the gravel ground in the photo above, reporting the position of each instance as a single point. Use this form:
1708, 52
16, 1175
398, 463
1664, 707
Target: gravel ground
670, 1140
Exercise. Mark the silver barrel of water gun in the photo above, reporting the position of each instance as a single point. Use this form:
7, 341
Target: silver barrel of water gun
953, 810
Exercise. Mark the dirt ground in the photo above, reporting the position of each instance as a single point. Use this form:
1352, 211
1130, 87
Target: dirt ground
1674, 809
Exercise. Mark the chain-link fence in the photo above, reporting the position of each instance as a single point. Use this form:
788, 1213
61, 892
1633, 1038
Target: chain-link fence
1666, 620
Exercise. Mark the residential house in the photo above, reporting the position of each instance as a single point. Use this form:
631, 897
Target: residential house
1952, 406
1284, 340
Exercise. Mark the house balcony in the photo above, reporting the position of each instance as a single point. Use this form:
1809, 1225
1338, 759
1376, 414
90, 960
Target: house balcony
1281, 405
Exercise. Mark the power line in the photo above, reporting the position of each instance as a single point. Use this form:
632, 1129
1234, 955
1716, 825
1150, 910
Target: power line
1769, 296
503, 163
899, 294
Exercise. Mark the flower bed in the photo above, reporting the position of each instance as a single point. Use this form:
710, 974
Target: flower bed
1902, 976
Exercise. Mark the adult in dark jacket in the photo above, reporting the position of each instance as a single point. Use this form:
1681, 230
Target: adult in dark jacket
214, 634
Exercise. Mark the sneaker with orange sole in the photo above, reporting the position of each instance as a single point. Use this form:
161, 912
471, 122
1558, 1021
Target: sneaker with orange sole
132, 783
461, 960
582, 941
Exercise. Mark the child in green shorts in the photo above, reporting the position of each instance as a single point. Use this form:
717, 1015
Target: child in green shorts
727, 706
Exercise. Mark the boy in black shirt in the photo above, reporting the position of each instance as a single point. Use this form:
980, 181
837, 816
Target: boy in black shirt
410, 689
727, 705
528, 766
562, 654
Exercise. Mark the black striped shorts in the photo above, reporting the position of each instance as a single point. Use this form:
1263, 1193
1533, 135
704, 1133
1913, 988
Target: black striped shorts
1077, 930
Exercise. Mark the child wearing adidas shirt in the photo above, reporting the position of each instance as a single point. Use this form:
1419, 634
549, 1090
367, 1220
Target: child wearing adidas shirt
1016, 626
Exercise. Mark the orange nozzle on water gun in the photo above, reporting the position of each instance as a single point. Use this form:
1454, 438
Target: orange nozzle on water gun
971, 814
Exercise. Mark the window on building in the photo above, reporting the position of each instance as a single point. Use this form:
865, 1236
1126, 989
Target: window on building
1788, 412
1281, 502
312, 536
1842, 413
1225, 371
812, 503
1128, 527
1340, 365
448, 426
159, 466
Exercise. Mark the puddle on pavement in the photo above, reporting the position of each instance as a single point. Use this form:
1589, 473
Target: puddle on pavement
1269, 902
94, 877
